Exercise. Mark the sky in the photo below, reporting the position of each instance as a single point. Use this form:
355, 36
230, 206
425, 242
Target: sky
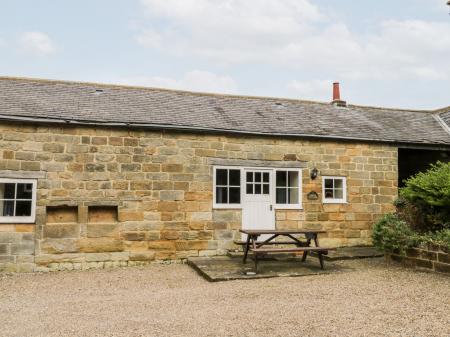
384, 53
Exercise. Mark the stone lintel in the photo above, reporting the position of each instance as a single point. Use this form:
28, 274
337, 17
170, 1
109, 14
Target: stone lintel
22, 174
257, 163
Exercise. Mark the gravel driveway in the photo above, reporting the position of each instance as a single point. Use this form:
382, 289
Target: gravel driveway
172, 300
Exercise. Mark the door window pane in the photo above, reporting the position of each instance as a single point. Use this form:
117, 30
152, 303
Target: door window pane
257, 188
249, 177
266, 177
257, 176
249, 188
265, 188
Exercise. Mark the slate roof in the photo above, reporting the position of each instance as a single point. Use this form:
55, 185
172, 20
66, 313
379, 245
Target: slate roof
73, 102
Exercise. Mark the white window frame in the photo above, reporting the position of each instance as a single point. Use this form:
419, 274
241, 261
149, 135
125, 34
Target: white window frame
299, 205
226, 206
273, 171
21, 219
343, 200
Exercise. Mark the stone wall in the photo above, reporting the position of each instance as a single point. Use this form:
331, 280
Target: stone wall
118, 197
429, 257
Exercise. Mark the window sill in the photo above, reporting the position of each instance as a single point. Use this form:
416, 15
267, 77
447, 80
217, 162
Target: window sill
234, 206
16, 221
334, 202
285, 207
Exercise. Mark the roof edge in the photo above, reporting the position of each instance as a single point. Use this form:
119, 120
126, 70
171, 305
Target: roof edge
199, 93
211, 130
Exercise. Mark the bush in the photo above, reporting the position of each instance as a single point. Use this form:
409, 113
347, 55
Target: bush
428, 193
441, 238
392, 234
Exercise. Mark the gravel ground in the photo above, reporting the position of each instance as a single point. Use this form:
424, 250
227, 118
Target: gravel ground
172, 300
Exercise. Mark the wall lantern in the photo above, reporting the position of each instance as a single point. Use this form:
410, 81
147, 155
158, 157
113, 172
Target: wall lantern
314, 173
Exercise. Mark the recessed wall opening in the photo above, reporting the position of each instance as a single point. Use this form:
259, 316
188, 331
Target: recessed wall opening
62, 214
102, 214
412, 161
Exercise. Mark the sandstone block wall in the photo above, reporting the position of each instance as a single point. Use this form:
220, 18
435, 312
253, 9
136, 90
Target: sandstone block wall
112, 197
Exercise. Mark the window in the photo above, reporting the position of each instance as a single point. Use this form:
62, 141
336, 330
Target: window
334, 190
288, 188
227, 187
257, 182
17, 200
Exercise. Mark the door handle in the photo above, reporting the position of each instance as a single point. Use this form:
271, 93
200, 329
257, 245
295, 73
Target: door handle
271, 207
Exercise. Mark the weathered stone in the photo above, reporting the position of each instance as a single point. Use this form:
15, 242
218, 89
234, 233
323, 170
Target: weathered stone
61, 231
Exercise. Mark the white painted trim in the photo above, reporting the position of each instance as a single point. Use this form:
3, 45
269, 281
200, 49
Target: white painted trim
225, 206
344, 191
298, 206
273, 171
22, 219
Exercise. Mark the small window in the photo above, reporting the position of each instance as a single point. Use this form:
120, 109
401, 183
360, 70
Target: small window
334, 190
17, 200
288, 188
257, 182
227, 187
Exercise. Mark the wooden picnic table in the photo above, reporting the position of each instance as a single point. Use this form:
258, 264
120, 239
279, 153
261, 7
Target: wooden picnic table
252, 244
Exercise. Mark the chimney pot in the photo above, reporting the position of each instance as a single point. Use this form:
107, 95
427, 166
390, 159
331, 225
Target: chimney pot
337, 96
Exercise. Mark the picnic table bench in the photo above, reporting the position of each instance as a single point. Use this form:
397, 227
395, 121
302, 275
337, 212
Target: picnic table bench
257, 247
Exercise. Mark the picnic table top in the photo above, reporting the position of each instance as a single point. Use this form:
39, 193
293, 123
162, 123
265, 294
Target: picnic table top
283, 231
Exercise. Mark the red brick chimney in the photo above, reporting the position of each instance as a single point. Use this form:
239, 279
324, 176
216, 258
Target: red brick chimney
337, 96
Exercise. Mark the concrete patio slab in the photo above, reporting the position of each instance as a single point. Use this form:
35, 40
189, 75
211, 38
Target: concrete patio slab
351, 253
226, 268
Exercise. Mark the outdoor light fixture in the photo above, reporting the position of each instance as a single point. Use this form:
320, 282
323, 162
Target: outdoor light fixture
315, 172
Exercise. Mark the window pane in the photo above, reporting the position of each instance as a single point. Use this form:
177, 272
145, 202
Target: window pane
258, 176
249, 188
281, 178
24, 191
293, 195
257, 188
7, 207
221, 177
235, 177
328, 183
293, 178
338, 183
235, 195
266, 177
281, 195
221, 195
265, 188
7, 191
338, 194
249, 177
23, 208
328, 193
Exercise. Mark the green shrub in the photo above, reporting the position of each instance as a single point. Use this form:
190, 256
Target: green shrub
391, 234
441, 238
429, 194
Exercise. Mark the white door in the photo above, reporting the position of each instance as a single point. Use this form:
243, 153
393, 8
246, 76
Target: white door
257, 207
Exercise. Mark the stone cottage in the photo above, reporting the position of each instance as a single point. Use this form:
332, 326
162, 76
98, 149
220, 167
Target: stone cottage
96, 175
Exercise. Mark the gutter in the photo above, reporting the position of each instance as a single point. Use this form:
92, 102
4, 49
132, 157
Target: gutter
152, 126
